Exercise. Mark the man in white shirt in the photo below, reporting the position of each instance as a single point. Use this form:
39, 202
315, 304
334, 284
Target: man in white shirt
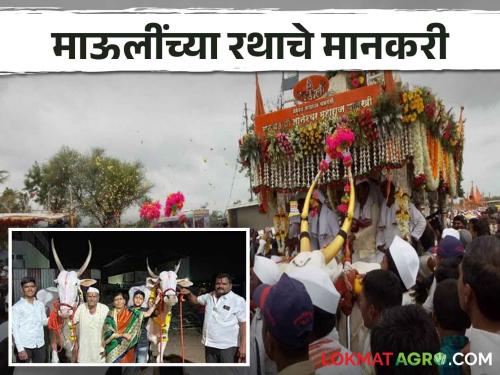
28, 319
225, 322
90, 318
478, 291
388, 226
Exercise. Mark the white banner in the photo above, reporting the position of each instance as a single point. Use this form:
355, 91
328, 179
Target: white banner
223, 40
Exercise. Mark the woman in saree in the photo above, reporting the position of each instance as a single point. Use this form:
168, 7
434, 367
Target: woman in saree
121, 332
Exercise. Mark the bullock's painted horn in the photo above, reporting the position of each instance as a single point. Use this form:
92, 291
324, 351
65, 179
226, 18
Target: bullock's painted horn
177, 267
151, 273
56, 257
87, 261
305, 242
330, 251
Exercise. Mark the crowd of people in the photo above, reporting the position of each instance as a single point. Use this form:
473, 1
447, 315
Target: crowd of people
119, 334
433, 292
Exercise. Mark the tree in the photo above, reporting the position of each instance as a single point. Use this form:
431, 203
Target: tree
95, 185
14, 201
54, 183
108, 186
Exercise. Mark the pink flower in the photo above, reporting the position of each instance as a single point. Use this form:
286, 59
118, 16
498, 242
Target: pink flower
324, 166
342, 208
339, 141
346, 159
355, 83
347, 187
150, 211
174, 203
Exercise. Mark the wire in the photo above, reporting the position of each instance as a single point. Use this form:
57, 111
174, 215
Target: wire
235, 163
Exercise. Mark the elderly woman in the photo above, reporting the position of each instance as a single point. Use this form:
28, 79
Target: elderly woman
122, 329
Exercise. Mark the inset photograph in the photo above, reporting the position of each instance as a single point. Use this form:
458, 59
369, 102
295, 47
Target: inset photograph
147, 296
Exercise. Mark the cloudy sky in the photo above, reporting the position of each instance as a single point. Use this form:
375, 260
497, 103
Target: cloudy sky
185, 127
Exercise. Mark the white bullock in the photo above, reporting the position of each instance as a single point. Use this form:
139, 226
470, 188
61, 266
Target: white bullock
166, 285
63, 301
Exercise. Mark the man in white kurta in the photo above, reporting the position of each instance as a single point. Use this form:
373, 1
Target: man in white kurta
328, 223
388, 226
90, 318
364, 232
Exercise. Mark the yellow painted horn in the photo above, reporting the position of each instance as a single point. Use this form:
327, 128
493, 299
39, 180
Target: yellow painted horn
330, 251
305, 242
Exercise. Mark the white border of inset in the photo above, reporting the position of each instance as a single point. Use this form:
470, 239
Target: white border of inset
56, 365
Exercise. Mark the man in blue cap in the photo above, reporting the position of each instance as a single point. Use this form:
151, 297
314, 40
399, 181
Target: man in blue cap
288, 324
451, 250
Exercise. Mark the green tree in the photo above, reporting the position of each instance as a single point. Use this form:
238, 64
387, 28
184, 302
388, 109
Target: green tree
55, 182
14, 201
108, 186
95, 185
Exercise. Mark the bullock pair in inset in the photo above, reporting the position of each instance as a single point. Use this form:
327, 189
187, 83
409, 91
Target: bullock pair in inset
64, 299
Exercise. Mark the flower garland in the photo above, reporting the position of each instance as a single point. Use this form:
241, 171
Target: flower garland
287, 159
284, 144
430, 147
174, 203
434, 155
413, 105
150, 211
249, 149
444, 173
344, 201
337, 147
311, 137
403, 214
364, 127
387, 112
453, 176
339, 142
418, 157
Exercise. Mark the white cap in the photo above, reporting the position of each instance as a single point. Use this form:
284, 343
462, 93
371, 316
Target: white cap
450, 232
319, 286
92, 290
266, 270
406, 259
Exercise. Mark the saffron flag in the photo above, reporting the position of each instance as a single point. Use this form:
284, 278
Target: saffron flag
259, 103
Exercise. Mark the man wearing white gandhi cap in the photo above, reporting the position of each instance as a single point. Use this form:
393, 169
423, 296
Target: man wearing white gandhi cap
402, 259
89, 318
325, 299
264, 271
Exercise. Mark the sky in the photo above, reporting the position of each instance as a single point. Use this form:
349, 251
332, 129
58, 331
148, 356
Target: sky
185, 127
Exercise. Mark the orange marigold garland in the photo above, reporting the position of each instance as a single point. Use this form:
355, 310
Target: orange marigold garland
430, 147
